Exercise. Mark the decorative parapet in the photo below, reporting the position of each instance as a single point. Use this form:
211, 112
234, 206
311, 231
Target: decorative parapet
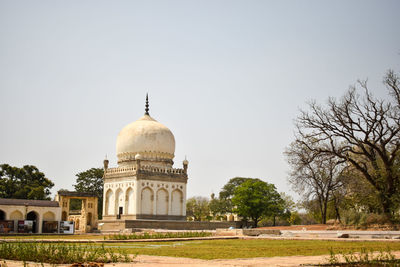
144, 168
161, 170
120, 170
146, 155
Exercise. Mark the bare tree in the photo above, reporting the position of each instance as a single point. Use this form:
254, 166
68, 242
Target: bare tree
314, 175
362, 131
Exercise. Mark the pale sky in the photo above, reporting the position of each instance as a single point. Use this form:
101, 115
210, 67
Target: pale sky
226, 77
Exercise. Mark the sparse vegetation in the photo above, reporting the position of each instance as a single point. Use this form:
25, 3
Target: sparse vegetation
147, 235
61, 253
250, 248
363, 258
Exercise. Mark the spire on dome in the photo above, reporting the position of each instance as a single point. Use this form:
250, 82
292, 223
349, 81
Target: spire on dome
147, 105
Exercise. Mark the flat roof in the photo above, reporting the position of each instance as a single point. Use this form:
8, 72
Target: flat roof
75, 194
28, 202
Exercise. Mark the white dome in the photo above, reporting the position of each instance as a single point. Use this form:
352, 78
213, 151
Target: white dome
147, 137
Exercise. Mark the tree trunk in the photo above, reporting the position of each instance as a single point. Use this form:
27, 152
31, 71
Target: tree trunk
325, 209
387, 206
337, 212
323, 204
274, 220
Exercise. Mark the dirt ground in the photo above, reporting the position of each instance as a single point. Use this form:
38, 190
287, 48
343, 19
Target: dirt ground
161, 261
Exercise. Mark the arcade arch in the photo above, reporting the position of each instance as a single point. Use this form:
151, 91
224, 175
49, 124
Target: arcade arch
177, 202
162, 202
2, 215
49, 216
16, 215
33, 216
147, 198
129, 209
119, 202
109, 209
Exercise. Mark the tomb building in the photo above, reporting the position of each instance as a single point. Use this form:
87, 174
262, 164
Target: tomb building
144, 185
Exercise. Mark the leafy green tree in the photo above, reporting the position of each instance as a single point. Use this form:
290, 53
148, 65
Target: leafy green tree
24, 183
217, 206
227, 192
198, 208
254, 199
91, 181
282, 208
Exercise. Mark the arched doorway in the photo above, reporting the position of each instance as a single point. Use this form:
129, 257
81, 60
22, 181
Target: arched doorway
32, 216
2, 215
119, 202
89, 219
64, 216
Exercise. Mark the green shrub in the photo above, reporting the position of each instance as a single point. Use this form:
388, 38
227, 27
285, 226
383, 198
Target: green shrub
147, 235
364, 258
60, 253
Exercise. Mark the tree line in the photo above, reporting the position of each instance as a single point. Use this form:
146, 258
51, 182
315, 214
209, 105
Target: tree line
250, 198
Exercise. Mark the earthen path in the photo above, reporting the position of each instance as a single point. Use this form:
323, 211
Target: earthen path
162, 261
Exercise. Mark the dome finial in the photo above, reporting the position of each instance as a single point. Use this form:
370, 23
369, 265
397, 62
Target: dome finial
147, 105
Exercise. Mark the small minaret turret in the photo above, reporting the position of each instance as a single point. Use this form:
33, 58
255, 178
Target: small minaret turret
138, 158
185, 165
105, 163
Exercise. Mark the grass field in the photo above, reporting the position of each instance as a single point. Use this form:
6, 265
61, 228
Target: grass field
240, 248
83, 236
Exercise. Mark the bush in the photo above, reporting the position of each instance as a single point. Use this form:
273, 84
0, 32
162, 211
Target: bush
60, 253
307, 219
295, 218
374, 218
147, 235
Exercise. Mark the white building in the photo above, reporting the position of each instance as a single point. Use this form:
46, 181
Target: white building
145, 185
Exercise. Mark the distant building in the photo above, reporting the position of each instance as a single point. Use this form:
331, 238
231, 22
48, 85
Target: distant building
44, 216
145, 185
85, 219
39, 212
